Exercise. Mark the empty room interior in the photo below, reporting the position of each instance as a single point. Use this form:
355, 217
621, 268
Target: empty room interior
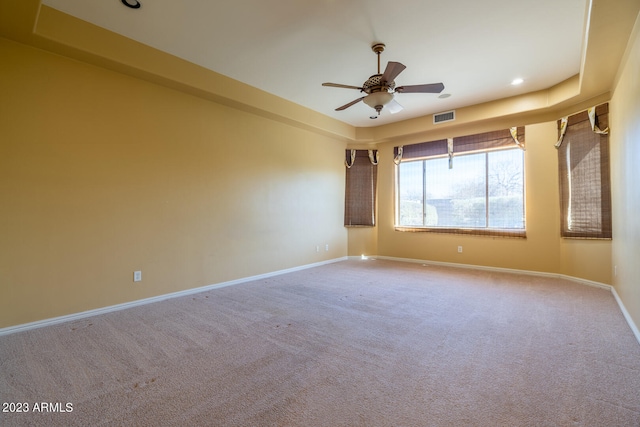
212, 215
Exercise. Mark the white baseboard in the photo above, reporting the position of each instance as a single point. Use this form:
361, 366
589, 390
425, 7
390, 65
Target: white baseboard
626, 314
499, 269
610, 288
123, 306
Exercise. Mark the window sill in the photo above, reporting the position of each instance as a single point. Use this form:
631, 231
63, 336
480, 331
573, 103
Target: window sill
509, 233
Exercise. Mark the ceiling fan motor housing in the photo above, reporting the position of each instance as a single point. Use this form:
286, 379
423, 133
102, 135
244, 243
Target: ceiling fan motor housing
374, 84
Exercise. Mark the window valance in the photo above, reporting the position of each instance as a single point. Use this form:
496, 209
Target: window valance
462, 144
597, 116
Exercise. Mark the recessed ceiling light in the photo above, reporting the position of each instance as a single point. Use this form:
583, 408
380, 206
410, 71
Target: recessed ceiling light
133, 4
517, 81
444, 95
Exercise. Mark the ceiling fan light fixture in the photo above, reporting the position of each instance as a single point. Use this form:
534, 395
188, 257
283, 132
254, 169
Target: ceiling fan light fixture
378, 99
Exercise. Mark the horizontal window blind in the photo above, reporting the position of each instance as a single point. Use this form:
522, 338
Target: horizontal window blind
424, 149
461, 144
584, 176
486, 141
360, 189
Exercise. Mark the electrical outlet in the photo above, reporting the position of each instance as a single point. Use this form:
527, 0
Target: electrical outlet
137, 276
317, 248
326, 247
459, 249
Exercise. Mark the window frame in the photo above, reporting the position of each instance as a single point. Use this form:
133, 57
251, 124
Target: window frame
423, 153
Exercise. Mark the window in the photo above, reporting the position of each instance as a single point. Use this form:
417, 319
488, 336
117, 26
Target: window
583, 167
478, 191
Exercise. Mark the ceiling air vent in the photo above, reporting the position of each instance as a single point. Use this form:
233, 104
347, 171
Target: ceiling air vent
447, 116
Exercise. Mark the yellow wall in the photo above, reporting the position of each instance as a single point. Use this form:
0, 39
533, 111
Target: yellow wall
625, 171
102, 174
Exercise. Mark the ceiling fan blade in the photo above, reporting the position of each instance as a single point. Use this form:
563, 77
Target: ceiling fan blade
428, 88
392, 71
342, 86
394, 106
345, 106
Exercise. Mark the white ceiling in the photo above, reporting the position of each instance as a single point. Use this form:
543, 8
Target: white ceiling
290, 47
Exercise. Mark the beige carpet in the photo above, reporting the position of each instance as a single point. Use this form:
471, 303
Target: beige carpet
355, 343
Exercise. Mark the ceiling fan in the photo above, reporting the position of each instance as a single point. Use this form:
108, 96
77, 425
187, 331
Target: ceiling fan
381, 87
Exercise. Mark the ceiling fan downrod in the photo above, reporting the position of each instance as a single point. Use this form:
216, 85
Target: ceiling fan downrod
378, 48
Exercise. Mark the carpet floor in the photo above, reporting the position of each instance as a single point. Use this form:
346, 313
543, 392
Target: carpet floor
354, 343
